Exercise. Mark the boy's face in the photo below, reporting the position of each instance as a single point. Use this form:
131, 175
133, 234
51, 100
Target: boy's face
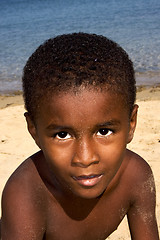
83, 137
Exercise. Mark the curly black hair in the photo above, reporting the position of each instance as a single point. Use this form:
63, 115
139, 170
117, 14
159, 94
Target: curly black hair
68, 61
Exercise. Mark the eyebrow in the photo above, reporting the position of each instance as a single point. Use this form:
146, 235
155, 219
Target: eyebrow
57, 127
109, 123
112, 122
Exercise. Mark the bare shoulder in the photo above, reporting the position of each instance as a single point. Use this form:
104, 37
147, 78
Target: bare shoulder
141, 189
24, 179
139, 177
22, 204
138, 169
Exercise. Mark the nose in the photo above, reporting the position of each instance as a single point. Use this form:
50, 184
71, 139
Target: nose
85, 154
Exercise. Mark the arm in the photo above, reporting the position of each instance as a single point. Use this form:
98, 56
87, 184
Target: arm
21, 214
141, 216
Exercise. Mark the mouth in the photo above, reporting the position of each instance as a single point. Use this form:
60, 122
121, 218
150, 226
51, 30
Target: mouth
88, 180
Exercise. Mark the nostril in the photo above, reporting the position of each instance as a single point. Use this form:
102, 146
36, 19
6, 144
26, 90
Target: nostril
85, 153
83, 162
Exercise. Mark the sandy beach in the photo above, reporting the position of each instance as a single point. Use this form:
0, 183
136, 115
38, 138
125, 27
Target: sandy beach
16, 143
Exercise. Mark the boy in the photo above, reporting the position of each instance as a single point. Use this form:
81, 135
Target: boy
79, 92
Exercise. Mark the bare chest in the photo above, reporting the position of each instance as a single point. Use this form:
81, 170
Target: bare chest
78, 222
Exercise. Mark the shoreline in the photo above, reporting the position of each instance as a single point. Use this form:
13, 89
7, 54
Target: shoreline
144, 93
144, 79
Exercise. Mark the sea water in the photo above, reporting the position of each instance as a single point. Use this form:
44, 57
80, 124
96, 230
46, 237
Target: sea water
25, 24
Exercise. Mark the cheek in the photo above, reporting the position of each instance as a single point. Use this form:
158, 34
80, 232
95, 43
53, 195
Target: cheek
112, 155
57, 157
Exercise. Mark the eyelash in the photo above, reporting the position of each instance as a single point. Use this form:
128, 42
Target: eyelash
103, 132
63, 135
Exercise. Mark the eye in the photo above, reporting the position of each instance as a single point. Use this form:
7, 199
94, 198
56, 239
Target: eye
104, 132
62, 135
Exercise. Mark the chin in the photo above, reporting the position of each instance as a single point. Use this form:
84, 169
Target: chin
89, 193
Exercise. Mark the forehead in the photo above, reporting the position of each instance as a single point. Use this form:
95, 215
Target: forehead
83, 104
84, 100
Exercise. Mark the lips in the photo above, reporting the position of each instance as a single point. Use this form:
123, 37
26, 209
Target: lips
88, 180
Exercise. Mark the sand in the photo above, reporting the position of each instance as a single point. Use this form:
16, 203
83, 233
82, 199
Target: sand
16, 143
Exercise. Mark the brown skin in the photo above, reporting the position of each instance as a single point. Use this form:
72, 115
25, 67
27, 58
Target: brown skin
84, 180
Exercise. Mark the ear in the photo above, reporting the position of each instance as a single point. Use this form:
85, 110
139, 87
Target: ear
32, 128
133, 123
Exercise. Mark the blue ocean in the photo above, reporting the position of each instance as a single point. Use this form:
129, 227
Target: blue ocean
25, 24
